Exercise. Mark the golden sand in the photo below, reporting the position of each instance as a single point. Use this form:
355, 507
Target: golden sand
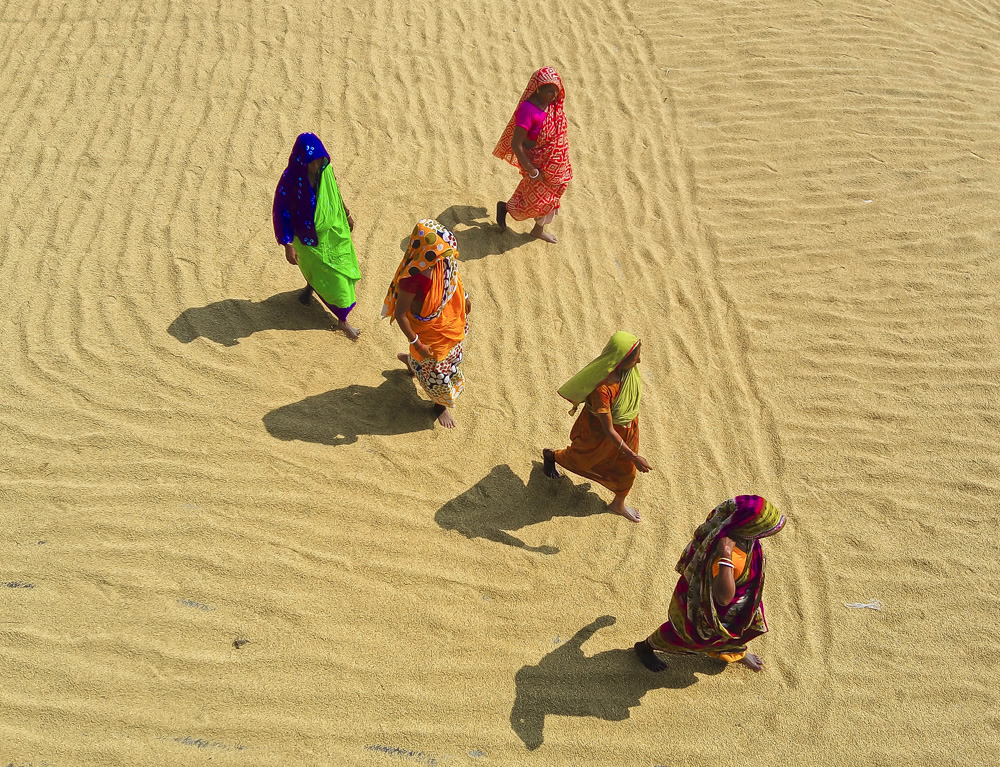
793, 203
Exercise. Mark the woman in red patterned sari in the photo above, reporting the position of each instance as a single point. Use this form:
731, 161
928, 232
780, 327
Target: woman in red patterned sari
535, 143
717, 605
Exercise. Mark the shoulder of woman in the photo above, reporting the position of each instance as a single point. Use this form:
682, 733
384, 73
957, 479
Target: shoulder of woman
599, 399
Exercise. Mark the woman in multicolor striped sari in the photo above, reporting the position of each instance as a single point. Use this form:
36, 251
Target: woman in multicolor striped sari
427, 300
535, 142
717, 605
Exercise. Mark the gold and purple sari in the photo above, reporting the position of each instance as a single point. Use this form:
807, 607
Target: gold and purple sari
697, 624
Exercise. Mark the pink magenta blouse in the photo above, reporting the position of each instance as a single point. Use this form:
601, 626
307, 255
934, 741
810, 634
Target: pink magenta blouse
529, 117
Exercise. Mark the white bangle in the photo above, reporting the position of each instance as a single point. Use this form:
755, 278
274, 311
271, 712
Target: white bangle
415, 339
726, 563
537, 173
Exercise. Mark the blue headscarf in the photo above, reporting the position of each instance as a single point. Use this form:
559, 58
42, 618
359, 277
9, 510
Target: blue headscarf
295, 200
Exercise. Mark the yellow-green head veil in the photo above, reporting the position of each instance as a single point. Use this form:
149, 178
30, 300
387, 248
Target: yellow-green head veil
626, 406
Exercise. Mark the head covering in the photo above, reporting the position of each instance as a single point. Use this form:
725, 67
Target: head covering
626, 406
552, 146
294, 199
745, 516
430, 245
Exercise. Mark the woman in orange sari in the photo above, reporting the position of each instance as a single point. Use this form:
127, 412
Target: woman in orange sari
604, 441
535, 142
427, 300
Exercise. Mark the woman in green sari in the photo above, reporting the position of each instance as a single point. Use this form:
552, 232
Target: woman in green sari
314, 225
604, 441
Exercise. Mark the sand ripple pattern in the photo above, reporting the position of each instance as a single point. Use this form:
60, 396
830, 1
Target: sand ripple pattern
232, 535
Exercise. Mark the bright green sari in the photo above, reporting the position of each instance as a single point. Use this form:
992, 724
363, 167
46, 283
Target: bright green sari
331, 265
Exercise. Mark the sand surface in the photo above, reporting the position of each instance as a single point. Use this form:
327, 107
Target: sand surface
794, 204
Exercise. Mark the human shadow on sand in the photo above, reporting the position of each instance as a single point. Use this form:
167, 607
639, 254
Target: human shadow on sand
606, 685
340, 416
477, 233
501, 502
227, 321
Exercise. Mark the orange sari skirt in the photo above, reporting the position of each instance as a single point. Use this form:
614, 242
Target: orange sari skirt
592, 455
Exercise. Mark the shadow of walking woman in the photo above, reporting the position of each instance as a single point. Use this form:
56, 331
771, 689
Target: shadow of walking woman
501, 502
606, 685
340, 416
226, 322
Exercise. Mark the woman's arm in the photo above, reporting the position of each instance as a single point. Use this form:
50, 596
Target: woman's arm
517, 145
404, 301
290, 255
724, 584
608, 427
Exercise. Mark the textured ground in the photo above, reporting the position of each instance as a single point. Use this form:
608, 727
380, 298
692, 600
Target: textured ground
793, 203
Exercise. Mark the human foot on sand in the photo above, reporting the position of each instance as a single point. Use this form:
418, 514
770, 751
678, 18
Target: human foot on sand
306, 294
648, 657
539, 233
752, 661
502, 216
405, 359
351, 331
444, 417
626, 511
549, 464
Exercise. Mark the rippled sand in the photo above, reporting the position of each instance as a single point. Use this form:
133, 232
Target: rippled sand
231, 535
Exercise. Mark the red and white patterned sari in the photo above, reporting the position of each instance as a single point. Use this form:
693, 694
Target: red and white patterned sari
536, 198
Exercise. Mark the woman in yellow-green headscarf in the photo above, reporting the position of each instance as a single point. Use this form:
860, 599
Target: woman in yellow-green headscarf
604, 441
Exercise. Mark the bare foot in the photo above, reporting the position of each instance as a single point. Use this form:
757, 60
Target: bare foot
549, 464
539, 233
405, 359
306, 294
502, 216
626, 511
648, 657
752, 661
444, 417
350, 331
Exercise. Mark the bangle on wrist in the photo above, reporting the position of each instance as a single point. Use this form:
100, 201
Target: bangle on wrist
415, 339
727, 563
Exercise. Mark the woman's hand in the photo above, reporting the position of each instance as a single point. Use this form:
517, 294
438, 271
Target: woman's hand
724, 547
641, 463
423, 349
290, 255
533, 172
468, 304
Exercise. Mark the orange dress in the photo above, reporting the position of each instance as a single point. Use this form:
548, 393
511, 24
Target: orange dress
739, 560
593, 455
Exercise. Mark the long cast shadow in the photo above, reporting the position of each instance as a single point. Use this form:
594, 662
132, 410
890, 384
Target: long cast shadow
501, 502
568, 683
227, 321
340, 416
477, 233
